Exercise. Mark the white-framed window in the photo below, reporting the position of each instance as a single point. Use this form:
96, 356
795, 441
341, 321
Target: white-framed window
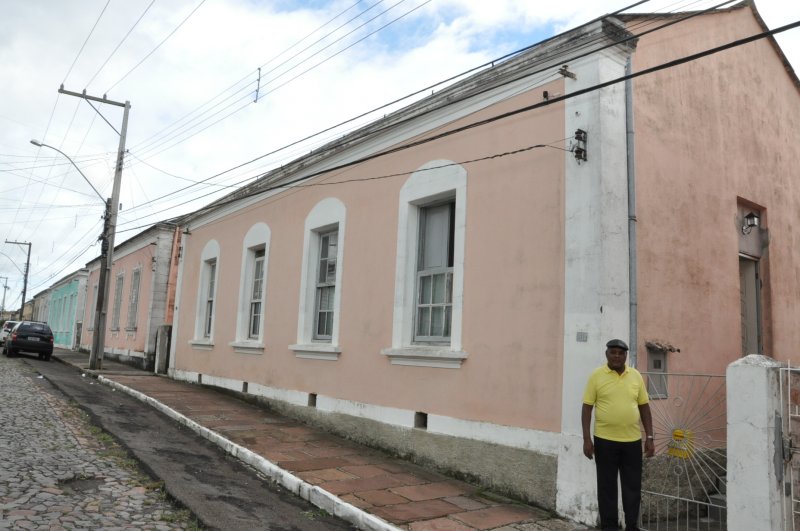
256, 296
133, 300
429, 273
434, 292
209, 293
117, 301
326, 286
252, 291
321, 282
206, 296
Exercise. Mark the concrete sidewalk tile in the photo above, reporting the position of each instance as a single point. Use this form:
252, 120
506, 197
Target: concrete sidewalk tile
500, 515
329, 451
349, 486
355, 501
381, 497
429, 491
466, 503
439, 524
328, 474
553, 524
407, 480
414, 511
364, 471
315, 463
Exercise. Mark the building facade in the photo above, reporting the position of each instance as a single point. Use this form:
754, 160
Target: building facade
65, 309
448, 290
141, 295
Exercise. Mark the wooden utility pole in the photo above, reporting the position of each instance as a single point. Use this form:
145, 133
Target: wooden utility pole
109, 231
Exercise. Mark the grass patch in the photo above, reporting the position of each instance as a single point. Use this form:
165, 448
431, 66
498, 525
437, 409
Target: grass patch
313, 514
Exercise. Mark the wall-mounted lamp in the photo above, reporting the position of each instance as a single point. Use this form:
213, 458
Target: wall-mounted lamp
750, 220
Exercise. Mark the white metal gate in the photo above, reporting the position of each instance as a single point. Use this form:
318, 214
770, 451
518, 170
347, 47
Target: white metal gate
790, 431
684, 484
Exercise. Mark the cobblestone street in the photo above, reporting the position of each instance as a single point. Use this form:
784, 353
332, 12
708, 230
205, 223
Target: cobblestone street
59, 472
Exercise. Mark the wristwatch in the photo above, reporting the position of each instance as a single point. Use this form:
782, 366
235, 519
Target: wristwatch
650, 437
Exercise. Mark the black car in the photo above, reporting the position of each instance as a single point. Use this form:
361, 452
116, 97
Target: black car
30, 336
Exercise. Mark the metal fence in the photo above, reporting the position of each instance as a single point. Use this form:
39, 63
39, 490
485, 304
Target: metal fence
684, 484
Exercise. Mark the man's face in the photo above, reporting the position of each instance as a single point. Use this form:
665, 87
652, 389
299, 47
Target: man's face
616, 358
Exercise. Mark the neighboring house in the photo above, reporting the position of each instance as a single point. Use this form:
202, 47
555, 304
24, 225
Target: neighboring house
141, 295
65, 312
450, 288
41, 305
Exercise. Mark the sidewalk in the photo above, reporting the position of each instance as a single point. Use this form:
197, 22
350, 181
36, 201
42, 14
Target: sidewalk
357, 483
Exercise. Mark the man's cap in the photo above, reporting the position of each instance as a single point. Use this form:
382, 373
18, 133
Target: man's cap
617, 343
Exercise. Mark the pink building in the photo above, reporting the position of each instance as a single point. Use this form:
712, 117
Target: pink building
141, 295
449, 289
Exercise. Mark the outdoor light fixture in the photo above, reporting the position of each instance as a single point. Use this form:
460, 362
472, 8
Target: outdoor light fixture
750, 220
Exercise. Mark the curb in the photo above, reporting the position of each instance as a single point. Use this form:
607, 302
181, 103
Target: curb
311, 493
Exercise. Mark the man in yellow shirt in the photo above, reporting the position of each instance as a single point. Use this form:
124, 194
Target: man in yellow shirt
619, 398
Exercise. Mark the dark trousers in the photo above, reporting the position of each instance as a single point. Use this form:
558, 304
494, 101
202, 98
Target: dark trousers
624, 459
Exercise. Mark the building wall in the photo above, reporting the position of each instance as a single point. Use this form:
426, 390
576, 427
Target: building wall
496, 415
65, 310
150, 255
512, 277
714, 138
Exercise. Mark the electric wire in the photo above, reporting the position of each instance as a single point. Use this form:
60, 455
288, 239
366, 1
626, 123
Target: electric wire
165, 39
124, 38
215, 205
430, 87
85, 41
159, 134
669, 64
148, 152
487, 64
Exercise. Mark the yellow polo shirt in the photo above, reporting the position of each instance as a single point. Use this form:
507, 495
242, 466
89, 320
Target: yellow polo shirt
616, 399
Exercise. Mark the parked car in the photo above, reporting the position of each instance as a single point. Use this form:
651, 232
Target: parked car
7, 326
30, 336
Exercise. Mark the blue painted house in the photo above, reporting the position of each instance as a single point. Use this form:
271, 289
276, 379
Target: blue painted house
66, 306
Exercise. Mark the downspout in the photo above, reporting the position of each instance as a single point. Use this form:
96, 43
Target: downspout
629, 145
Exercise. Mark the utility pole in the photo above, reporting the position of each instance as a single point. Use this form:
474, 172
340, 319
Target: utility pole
109, 231
5, 288
25, 277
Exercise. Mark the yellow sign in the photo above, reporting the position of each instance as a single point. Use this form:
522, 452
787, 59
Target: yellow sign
682, 444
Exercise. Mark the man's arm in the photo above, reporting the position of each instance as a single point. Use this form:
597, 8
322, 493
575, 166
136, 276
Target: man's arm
586, 421
647, 422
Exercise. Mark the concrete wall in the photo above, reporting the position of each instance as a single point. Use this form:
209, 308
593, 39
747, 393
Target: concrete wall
756, 467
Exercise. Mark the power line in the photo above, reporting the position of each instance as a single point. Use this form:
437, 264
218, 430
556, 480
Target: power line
114, 51
528, 108
148, 150
549, 58
149, 140
157, 46
85, 41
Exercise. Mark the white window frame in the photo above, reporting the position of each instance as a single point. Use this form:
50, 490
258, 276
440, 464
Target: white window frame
435, 182
257, 239
133, 300
327, 215
324, 285
208, 277
119, 285
433, 272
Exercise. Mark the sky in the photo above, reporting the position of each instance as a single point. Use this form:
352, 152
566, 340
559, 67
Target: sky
200, 107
